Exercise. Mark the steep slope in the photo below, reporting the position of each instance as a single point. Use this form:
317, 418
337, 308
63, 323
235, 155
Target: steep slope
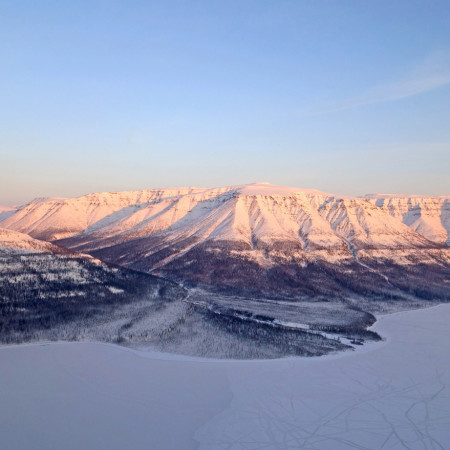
429, 216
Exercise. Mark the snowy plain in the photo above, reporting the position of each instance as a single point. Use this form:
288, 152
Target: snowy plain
389, 395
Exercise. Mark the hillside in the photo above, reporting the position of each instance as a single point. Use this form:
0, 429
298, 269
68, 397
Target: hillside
46, 291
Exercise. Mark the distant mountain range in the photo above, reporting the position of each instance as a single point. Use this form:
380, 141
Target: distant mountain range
259, 239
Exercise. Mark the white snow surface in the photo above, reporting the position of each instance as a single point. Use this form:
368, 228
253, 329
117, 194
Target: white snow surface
390, 395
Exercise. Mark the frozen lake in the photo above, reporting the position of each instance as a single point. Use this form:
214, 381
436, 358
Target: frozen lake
97, 396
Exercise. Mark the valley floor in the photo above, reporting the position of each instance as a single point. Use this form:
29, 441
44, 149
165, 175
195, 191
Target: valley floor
388, 395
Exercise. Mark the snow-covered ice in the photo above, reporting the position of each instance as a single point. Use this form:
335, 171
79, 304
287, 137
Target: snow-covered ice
388, 395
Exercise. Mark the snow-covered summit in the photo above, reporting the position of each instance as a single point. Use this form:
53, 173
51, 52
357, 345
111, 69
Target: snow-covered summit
269, 189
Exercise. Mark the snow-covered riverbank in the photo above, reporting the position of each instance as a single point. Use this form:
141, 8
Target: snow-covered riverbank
80, 395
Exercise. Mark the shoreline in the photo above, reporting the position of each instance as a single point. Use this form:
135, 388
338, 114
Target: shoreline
368, 346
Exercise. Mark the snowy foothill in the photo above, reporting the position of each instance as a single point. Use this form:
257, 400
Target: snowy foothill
389, 395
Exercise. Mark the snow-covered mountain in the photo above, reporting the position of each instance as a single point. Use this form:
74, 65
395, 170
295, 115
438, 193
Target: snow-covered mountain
56, 218
272, 239
429, 216
142, 213
6, 211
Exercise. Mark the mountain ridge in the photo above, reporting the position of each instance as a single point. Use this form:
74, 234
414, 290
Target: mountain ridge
261, 238
88, 211
218, 235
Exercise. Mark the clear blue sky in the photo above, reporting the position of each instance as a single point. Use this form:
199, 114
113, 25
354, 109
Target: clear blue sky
349, 97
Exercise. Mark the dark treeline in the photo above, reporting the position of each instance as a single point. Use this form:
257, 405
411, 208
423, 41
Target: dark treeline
289, 341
